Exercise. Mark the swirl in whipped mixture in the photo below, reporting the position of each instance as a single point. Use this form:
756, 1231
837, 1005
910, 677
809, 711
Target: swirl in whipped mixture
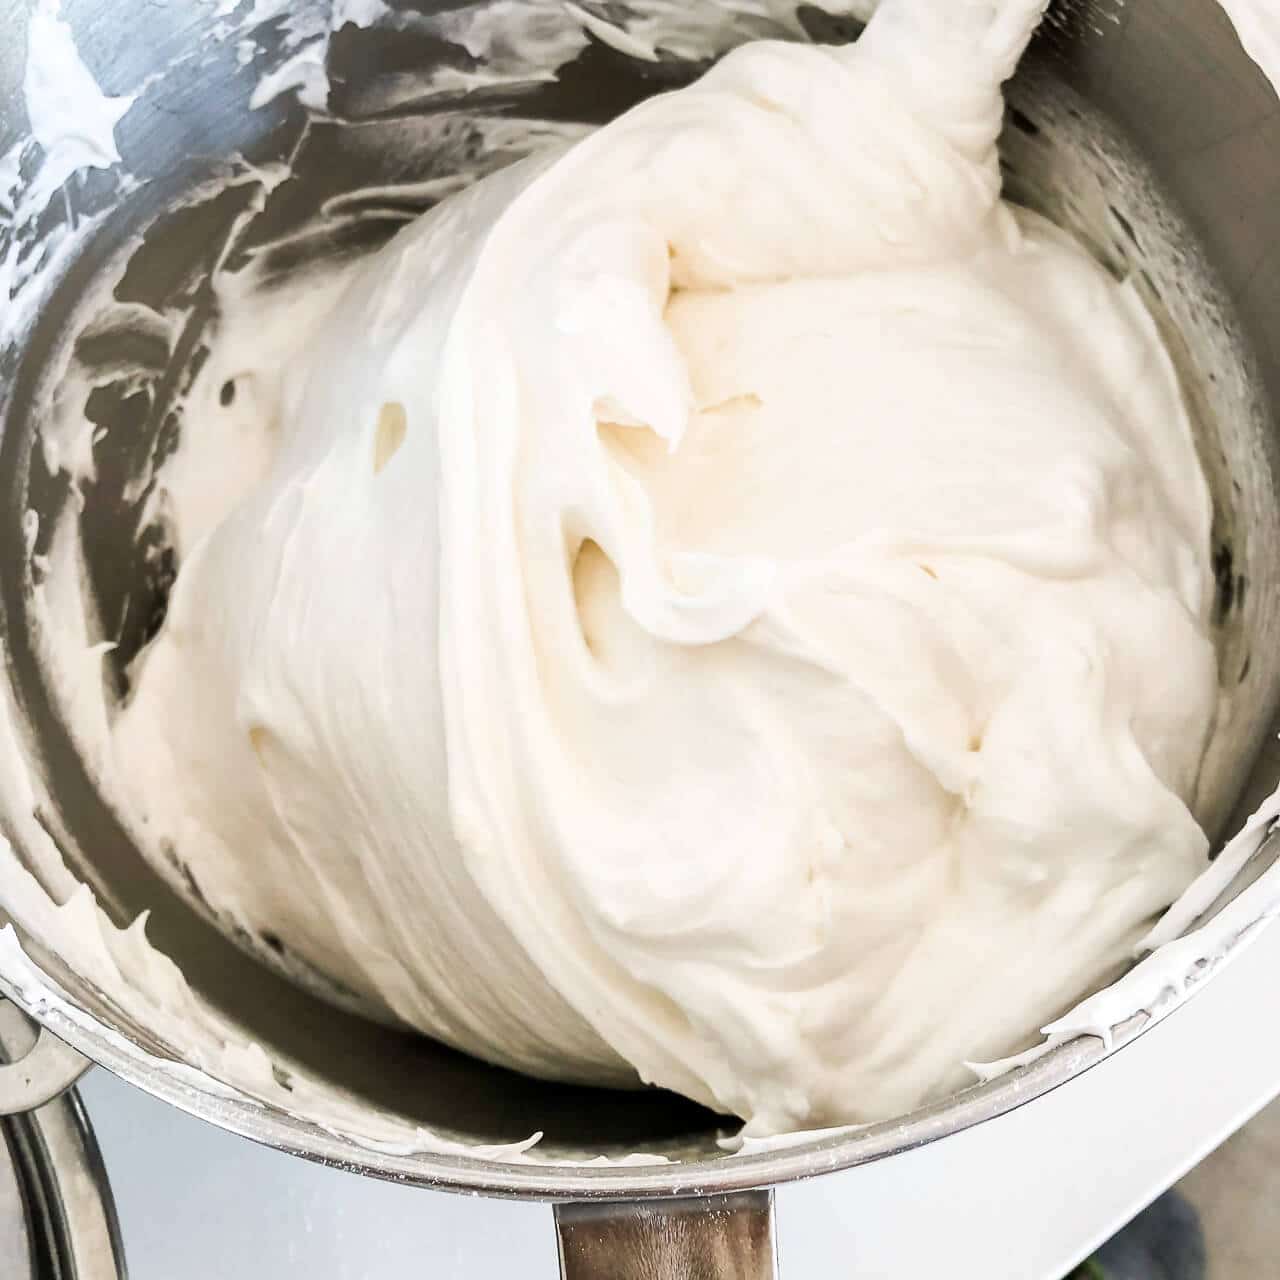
724, 604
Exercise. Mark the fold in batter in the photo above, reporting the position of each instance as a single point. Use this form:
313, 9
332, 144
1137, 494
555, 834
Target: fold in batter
723, 604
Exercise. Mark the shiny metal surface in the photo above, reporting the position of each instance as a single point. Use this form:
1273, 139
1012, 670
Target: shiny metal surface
47, 1069
15, 1239
1176, 118
695, 1175
57, 1218
713, 1238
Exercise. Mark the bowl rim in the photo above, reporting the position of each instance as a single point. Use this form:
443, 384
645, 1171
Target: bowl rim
199, 1094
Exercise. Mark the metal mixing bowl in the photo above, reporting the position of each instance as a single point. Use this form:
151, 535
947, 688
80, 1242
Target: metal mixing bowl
1142, 126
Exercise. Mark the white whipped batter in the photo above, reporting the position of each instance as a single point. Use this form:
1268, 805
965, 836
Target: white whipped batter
725, 604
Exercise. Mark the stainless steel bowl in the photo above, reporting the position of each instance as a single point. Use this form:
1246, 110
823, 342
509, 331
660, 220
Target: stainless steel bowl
1142, 126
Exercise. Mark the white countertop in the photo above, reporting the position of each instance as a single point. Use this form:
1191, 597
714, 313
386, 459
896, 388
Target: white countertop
1023, 1197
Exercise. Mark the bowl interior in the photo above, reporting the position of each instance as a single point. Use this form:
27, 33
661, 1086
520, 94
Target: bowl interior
1146, 131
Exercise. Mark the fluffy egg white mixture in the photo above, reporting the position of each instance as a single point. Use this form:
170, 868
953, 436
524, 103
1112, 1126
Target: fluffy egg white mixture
723, 605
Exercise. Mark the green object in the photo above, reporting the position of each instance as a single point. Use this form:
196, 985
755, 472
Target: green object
1088, 1270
